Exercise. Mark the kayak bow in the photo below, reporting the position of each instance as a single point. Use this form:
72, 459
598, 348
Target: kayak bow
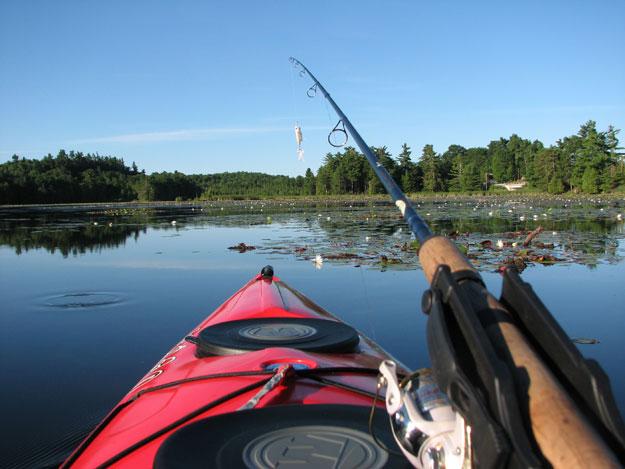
269, 367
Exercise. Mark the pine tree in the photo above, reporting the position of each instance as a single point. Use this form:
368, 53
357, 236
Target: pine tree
384, 158
502, 160
591, 180
471, 179
309, 183
454, 160
430, 165
353, 167
407, 170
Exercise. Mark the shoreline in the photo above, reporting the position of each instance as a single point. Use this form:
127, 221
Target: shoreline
331, 199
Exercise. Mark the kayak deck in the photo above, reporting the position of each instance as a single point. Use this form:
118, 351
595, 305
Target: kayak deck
190, 383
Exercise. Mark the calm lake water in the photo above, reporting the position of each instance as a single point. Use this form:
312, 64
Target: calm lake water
93, 297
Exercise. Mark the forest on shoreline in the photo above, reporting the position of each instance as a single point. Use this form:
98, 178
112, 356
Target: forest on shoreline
587, 162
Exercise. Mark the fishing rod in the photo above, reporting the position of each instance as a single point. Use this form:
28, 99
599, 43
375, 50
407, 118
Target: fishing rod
416, 224
509, 369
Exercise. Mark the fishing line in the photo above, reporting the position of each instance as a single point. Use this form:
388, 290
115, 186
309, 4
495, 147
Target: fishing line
372, 414
298, 129
294, 105
368, 305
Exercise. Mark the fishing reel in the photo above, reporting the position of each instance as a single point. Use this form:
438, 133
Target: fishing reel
427, 429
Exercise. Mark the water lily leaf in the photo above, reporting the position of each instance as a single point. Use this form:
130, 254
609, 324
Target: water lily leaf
585, 340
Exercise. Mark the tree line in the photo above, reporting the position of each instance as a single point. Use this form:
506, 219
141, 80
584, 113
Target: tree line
588, 162
68, 177
75, 177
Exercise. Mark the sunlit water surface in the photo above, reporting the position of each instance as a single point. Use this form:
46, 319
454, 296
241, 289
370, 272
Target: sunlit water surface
93, 297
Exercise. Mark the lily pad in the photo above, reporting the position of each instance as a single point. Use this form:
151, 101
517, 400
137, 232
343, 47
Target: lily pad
242, 247
585, 341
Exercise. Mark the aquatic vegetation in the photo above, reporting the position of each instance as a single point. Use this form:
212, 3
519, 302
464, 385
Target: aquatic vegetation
352, 231
242, 247
563, 231
585, 341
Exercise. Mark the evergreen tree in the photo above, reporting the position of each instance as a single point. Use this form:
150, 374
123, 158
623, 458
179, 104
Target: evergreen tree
615, 176
455, 160
385, 159
407, 169
529, 162
591, 180
309, 183
471, 179
430, 165
353, 167
502, 160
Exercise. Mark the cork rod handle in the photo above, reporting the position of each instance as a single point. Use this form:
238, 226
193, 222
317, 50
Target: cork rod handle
561, 431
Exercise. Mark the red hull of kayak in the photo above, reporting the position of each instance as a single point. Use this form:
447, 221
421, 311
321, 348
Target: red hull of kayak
152, 406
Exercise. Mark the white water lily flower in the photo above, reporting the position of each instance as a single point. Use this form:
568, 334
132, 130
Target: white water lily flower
499, 244
318, 261
173, 222
490, 214
514, 245
522, 218
619, 216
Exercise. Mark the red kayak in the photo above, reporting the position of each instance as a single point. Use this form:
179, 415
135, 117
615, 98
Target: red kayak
270, 379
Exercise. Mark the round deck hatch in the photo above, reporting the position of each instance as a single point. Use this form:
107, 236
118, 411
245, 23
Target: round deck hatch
286, 436
308, 334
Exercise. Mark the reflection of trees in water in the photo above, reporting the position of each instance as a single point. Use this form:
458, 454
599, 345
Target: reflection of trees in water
581, 237
505, 225
75, 240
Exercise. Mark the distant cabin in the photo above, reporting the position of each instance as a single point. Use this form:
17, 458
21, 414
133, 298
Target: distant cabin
512, 185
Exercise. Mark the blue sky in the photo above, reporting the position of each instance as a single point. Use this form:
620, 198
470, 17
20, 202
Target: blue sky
202, 87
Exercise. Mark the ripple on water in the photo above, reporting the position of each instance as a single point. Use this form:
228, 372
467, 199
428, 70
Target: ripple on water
82, 300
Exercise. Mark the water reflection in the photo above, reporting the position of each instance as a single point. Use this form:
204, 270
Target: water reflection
489, 231
357, 233
73, 240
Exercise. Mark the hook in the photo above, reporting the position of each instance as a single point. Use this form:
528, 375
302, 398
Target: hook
340, 130
312, 91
